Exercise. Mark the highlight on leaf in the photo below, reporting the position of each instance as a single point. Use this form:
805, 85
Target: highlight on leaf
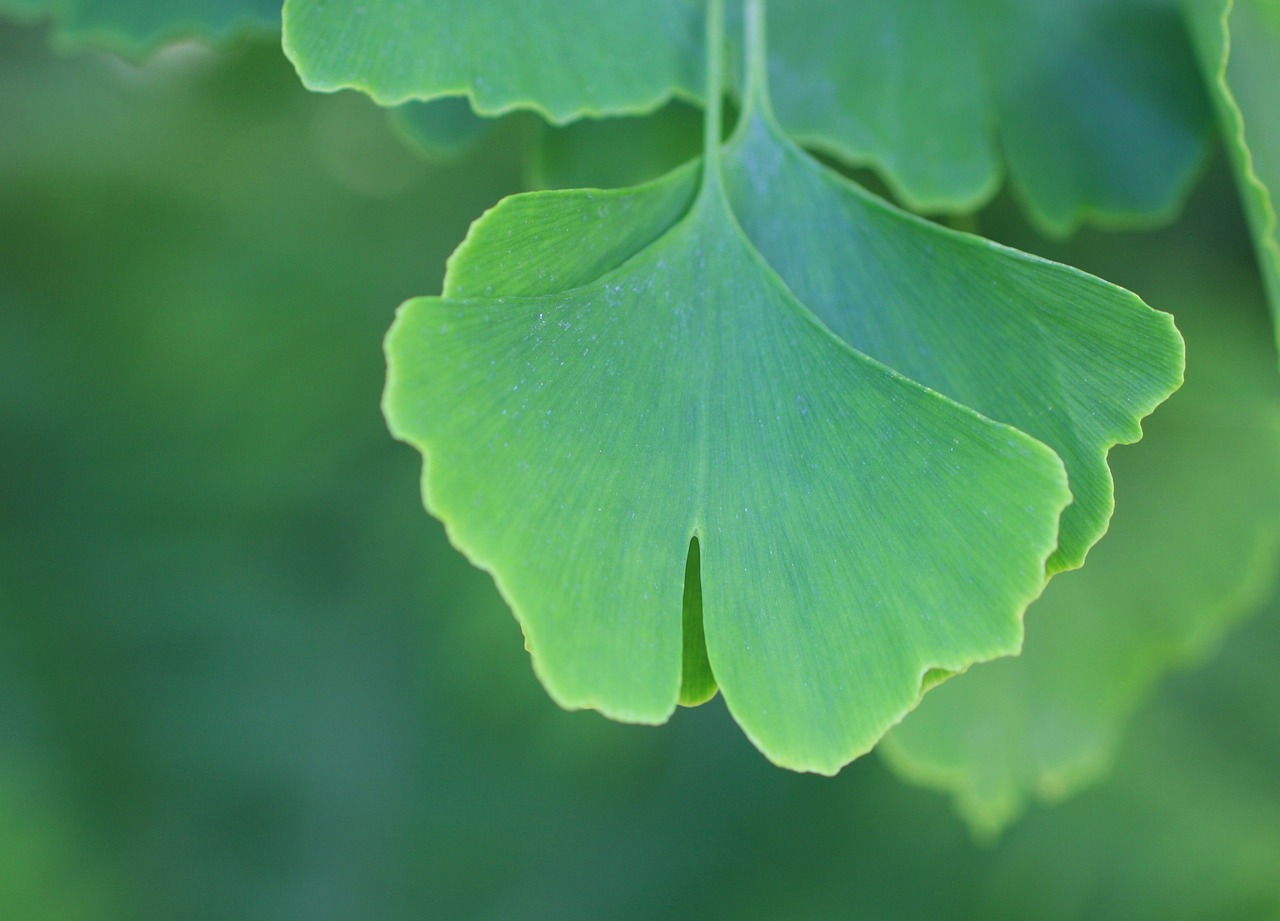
874, 501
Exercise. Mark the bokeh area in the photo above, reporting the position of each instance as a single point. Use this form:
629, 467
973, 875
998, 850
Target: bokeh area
243, 676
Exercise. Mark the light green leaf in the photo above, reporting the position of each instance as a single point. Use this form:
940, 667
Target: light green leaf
1080, 361
627, 371
563, 58
138, 26
856, 530
1195, 546
1239, 46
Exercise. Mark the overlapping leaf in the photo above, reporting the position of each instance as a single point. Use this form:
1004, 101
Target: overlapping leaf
138, 26
1239, 46
1095, 104
1194, 547
610, 375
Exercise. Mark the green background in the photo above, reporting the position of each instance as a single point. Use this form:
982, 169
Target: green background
242, 674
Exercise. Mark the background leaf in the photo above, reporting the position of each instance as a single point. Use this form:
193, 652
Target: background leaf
1239, 45
1192, 549
138, 26
926, 93
1094, 104
441, 129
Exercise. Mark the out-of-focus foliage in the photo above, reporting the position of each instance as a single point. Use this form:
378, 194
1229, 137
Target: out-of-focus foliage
1092, 107
1194, 546
242, 678
136, 27
1239, 46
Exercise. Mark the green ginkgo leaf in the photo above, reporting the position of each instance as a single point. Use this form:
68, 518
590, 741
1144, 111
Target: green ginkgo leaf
1239, 46
609, 56
138, 26
1080, 361
1194, 547
610, 375
1095, 104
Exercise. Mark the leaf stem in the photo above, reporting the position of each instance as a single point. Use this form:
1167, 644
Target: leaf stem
715, 91
755, 98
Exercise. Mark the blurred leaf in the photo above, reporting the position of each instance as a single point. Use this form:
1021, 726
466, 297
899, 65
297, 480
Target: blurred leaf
1189, 828
1239, 45
442, 129
138, 26
1193, 548
1094, 103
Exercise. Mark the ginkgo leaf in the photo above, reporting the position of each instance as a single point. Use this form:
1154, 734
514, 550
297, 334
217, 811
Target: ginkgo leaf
857, 533
572, 322
1095, 105
856, 530
139, 26
1239, 45
1080, 363
608, 56
1194, 547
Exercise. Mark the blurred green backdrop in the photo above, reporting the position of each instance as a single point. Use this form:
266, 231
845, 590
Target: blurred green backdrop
242, 674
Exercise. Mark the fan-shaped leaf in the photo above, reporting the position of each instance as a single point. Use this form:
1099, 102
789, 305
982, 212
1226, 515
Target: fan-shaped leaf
627, 371
1095, 104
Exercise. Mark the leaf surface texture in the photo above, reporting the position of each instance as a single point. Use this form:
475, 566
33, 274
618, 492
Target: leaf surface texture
610, 375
